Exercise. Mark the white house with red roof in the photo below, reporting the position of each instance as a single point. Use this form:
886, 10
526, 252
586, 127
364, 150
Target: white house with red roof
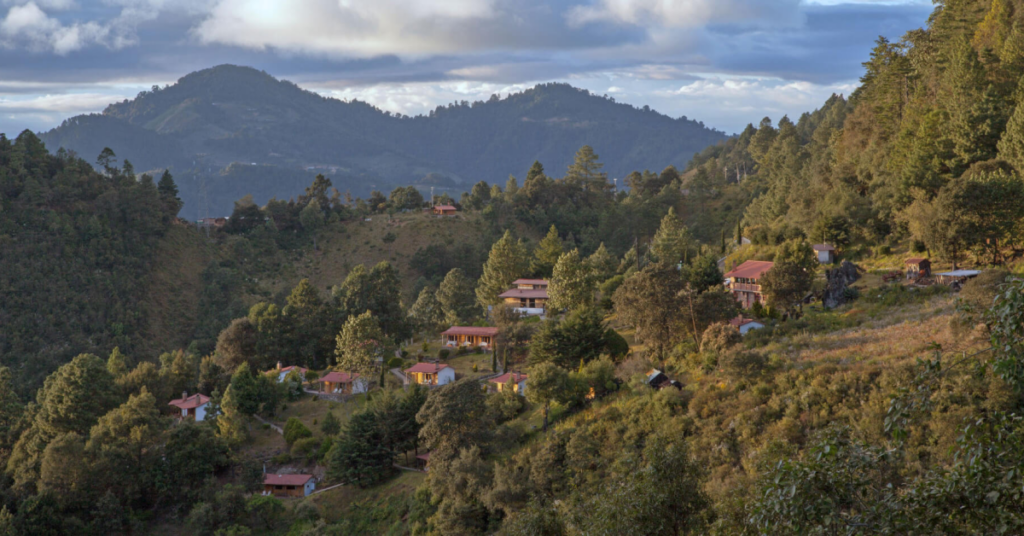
192, 407
826, 253
288, 485
430, 373
469, 336
518, 385
745, 324
743, 282
283, 371
343, 383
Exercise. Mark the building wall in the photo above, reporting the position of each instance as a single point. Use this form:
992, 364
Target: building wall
201, 413
445, 375
825, 257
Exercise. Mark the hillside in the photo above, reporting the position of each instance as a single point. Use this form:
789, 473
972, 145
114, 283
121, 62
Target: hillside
227, 115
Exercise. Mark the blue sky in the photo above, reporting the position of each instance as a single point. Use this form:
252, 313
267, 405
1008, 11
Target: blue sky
724, 62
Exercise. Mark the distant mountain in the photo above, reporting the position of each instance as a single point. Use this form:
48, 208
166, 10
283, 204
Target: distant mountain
229, 131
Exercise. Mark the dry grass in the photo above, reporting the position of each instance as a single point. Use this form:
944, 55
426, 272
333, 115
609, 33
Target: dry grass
334, 503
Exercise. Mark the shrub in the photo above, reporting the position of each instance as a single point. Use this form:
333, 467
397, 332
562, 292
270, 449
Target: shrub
884, 250
740, 363
265, 426
475, 368
303, 447
295, 430
719, 337
443, 353
282, 458
918, 246
397, 362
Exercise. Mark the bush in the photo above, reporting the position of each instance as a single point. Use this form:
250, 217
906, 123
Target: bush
443, 353
475, 368
397, 362
740, 363
719, 337
282, 458
918, 246
295, 430
303, 447
884, 250
615, 345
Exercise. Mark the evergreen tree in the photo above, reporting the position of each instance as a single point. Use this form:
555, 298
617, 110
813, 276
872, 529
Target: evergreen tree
457, 298
169, 194
585, 171
671, 243
330, 426
602, 263
426, 313
118, 364
232, 423
361, 345
506, 263
572, 283
547, 253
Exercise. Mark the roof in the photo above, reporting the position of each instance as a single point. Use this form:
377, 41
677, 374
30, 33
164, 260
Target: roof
525, 293
338, 377
915, 260
823, 247
530, 282
427, 367
189, 402
470, 330
445, 207
302, 370
424, 456
751, 269
961, 273
739, 322
503, 379
286, 480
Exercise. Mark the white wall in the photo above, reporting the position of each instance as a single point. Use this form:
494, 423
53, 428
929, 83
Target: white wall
201, 413
310, 486
749, 326
445, 375
358, 386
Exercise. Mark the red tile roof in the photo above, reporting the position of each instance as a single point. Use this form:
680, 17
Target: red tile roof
302, 370
429, 368
425, 457
338, 377
823, 247
915, 260
286, 480
751, 269
189, 402
503, 379
530, 282
471, 330
739, 322
525, 293
445, 207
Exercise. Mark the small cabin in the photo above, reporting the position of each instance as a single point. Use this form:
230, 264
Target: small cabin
288, 485
444, 210
342, 383
423, 461
826, 254
430, 374
956, 278
469, 336
283, 372
745, 324
918, 267
518, 385
192, 407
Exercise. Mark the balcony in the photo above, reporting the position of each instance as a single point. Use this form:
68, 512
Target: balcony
745, 287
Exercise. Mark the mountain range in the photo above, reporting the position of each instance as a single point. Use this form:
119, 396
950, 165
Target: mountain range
229, 131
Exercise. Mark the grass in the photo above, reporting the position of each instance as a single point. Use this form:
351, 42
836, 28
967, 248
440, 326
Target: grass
267, 442
463, 365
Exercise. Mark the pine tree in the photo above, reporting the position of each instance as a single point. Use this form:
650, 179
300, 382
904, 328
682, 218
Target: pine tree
547, 253
585, 171
232, 422
572, 283
426, 313
672, 241
506, 263
361, 345
118, 364
602, 263
457, 299
1011, 146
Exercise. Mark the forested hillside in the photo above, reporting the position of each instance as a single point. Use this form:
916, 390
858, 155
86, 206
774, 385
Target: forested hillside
227, 115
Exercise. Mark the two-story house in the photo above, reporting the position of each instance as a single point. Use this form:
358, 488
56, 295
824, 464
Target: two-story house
742, 281
528, 296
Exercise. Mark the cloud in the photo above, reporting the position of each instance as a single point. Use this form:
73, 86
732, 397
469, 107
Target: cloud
68, 103
686, 13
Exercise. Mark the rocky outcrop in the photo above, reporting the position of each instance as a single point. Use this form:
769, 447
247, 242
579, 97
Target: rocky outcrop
839, 279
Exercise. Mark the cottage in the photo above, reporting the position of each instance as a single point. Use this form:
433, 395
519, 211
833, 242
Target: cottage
918, 267
745, 324
956, 278
423, 460
742, 281
658, 380
282, 372
430, 373
519, 385
528, 296
342, 383
288, 485
192, 407
444, 210
469, 336
826, 253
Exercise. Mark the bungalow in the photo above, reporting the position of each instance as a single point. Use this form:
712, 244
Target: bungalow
469, 336
283, 371
918, 267
745, 324
519, 387
430, 373
826, 253
445, 210
342, 383
288, 485
742, 281
528, 296
192, 407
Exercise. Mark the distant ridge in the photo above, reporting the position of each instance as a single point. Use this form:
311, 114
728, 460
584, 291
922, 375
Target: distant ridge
278, 136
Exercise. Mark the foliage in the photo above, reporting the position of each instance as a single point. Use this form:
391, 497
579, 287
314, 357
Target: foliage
457, 299
362, 345
295, 430
572, 283
507, 262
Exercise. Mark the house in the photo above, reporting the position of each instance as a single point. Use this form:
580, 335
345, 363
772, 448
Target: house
826, 253
192, 407
918, 267
282, 372
342, 383
430, 373
956, 278
444, 210
423, 460
745, 324
288, 485
469, 336
658, 380
519, 378
742, 281
528, 296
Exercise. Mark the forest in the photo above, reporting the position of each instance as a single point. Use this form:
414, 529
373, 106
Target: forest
895, 408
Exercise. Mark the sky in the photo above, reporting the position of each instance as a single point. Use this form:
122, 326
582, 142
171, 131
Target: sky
724, 62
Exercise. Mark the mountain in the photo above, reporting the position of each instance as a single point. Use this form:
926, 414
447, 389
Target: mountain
229, 131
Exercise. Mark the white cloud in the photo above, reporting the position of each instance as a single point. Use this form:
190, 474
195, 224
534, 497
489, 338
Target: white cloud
421, 97
685, 13
345, 27
67, 103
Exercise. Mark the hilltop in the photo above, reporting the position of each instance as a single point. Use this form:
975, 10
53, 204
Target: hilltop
237, 131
